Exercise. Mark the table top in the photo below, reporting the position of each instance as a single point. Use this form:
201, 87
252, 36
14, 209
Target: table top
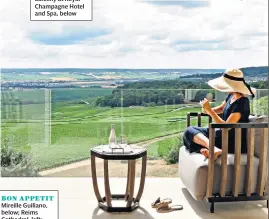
137, 152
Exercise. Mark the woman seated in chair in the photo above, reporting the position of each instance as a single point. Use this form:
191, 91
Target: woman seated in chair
235, 109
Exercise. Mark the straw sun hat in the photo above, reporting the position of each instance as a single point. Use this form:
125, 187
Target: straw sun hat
232, 81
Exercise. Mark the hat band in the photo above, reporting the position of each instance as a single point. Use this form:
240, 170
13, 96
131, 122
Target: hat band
240, 79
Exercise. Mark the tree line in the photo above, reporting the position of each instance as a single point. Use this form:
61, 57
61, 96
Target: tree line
126, 98
152, 93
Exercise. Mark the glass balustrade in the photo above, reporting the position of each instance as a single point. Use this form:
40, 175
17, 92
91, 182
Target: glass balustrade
59, 126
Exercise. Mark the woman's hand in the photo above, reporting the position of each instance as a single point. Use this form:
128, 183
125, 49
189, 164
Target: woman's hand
205, 105
203, 111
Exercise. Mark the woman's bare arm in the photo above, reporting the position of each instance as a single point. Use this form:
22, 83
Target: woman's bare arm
218, 109
233, 118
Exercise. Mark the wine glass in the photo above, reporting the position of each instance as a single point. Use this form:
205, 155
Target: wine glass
122, 142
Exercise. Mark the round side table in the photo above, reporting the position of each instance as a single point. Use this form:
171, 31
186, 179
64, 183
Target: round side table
132, 202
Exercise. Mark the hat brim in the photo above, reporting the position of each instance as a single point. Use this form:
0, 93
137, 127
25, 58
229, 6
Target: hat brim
227, 85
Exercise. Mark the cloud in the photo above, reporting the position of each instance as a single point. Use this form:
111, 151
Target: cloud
258, 34
207, 47
195, 42
182, 3
67, 37
136, 34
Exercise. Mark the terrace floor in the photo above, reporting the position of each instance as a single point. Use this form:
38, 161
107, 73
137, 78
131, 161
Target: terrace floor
77, 199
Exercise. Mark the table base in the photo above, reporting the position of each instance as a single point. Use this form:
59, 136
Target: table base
129, 201
106, 208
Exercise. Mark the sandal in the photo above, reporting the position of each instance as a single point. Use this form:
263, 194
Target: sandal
159, 202
165, 208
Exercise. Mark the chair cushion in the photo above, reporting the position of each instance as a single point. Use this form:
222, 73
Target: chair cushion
258, 141
230, 160
193, 169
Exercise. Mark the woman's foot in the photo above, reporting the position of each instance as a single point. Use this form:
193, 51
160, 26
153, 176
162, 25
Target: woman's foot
205, 152
217, 153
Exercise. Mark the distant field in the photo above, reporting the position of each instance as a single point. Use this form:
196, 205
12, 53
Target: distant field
57, 94
76, 127
46, 76
26, 95
94, 75
87, 76
79, 128
68, 94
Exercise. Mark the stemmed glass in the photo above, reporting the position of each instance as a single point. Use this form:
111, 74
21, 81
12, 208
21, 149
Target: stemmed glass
123, 142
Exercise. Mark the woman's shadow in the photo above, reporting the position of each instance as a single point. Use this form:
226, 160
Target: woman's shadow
140, 213
231, 210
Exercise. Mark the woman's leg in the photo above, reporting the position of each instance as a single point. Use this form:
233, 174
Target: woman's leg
201, 140
204, 141
196, 140
188, 136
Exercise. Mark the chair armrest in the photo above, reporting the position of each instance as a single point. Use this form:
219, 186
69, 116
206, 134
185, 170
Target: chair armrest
239, 125
198, 115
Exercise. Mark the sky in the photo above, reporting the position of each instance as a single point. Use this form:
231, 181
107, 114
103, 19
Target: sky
139, 34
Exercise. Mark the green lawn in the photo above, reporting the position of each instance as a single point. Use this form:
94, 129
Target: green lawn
161, 148
75, 128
